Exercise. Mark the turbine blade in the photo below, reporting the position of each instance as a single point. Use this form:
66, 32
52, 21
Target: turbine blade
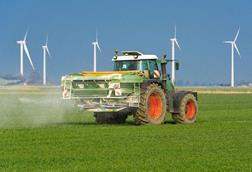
26, 33
46, 40
228, 42
97, 44
46, 47
237, 49
47, 50
237, 34
96, 36
175, 32
28, 55
177, 43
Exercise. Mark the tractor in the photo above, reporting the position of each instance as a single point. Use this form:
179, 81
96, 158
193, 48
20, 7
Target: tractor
138, 85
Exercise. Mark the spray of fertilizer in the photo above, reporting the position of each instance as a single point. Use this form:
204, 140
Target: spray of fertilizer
18, 111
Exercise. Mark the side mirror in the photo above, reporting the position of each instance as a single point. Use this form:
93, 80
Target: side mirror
177, 65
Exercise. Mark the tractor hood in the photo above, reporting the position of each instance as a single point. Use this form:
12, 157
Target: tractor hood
120, 76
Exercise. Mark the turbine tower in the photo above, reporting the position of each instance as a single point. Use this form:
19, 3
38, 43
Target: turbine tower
23, 47
233, 46
174, 42
96, 45
45, 51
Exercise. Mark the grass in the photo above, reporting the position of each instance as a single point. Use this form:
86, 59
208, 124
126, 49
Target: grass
66, 139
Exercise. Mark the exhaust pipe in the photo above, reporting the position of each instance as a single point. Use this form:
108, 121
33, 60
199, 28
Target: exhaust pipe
163, 70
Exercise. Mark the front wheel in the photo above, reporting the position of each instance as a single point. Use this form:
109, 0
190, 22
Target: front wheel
188, 109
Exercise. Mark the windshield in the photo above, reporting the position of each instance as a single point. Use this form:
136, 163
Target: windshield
126, 65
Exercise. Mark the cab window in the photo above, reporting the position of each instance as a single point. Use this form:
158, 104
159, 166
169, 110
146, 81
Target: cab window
152, 66
126, 65
143, 65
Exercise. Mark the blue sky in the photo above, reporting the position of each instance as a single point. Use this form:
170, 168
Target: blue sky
141, 25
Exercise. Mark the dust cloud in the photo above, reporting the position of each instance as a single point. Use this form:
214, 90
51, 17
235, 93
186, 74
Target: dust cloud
24, 111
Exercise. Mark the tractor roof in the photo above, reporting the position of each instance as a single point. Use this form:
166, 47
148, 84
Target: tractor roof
133, 55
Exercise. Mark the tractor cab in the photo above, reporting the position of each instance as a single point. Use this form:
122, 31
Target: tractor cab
134, 60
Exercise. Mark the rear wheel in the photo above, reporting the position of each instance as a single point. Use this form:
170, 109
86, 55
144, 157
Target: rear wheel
152, 106
187, 110
110, 117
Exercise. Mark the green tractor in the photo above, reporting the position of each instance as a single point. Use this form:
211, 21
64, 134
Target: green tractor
138, 86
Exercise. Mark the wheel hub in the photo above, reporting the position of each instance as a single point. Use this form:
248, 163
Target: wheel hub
190, 110
155, 105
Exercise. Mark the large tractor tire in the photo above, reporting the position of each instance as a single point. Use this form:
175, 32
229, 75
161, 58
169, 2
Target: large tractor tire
188, 109
152, 106
110, 117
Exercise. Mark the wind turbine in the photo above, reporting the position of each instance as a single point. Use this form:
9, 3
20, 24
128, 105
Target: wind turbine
45, 51
174, 42
96, 45
23, 47
233, 46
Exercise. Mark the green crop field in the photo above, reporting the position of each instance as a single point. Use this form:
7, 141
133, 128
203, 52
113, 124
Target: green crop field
40, 132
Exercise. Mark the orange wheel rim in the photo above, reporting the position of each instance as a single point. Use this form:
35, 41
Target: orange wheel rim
190, 110
155, 105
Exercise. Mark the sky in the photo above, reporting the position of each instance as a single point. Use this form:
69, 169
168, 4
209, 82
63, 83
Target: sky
146, 26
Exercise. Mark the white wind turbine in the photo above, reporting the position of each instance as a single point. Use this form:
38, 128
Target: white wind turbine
23, 47
45, 51
174, 41
233, 46
96, 45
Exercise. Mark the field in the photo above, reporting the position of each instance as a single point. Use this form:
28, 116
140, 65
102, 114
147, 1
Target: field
39, 132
